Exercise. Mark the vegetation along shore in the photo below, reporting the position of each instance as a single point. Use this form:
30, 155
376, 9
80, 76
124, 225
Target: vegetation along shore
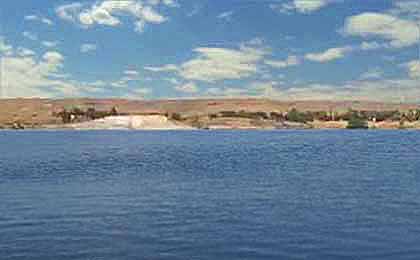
204, 114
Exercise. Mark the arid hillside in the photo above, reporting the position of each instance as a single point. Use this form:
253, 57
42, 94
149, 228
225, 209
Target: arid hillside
38, 112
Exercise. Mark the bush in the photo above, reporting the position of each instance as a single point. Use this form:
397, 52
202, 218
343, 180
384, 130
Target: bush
299, 117
114, 111
77, 114
276, 116
357, 122
176, 117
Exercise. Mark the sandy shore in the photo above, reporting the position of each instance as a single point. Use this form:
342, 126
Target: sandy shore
151, 122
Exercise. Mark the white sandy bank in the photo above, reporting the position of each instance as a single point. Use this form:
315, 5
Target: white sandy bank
152, 122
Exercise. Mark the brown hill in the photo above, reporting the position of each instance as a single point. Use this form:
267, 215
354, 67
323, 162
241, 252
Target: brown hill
38, 112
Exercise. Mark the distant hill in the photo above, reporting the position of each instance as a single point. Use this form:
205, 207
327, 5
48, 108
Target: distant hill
42, 111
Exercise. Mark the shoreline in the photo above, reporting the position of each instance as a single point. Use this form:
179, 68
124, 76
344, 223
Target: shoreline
208, 114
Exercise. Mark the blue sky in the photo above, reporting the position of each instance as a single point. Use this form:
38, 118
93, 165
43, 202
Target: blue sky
155, 49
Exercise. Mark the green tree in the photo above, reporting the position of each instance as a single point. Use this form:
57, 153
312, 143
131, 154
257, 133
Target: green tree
295, 116
357, 122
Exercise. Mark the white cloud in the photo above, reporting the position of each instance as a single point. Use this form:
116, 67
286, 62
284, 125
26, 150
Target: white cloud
25, 76
301, 6
170, 3
214, 64
290, 61
399, 32
173, 81
138, 93
366, 46
98, 83
227, 16
329, 55
30, 36
413, 68
49, 44
131, 73
53, 59
165, 68
363, 90
88, 47
308, 6
109, 12
4, 47
265, 89
406, 8
29, 74
39, 19
24, 52
119, 83
195, 10
226, 92
69, 12
187, 88
375, 73
142, 91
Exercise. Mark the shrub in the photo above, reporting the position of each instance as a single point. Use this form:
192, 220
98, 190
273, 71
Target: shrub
299, 117
357, 122
276, 116
228, 114
114, 111
176, 117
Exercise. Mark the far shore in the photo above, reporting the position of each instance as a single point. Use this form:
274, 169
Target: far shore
209, 114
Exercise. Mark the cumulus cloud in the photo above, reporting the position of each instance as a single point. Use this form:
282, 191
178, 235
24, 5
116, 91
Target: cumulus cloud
30, 36
29, 74
130, 75
142, 91
21, 51
137, 93
165, 68
69, 12
212, 64
4, 47
190, 88
413, 68
301, 6
329, 55
24, 76
49, 44
406, 8
170, 3
375, 73
290, 61
399, 32
365, 90
226, 16
226, 92
366, 46
54, 60
40, 19
88, 47
109, 12
267, 89
131, 72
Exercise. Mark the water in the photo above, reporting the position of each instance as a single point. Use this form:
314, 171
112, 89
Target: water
210, 195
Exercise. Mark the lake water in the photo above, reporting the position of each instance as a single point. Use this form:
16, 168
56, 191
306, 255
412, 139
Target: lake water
210, 195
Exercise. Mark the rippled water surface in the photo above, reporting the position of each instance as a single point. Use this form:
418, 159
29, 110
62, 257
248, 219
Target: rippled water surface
210, 195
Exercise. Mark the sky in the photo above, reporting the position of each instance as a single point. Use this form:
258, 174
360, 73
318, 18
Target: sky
165, 49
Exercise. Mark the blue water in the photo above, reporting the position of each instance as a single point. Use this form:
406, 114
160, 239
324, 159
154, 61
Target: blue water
210, 195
